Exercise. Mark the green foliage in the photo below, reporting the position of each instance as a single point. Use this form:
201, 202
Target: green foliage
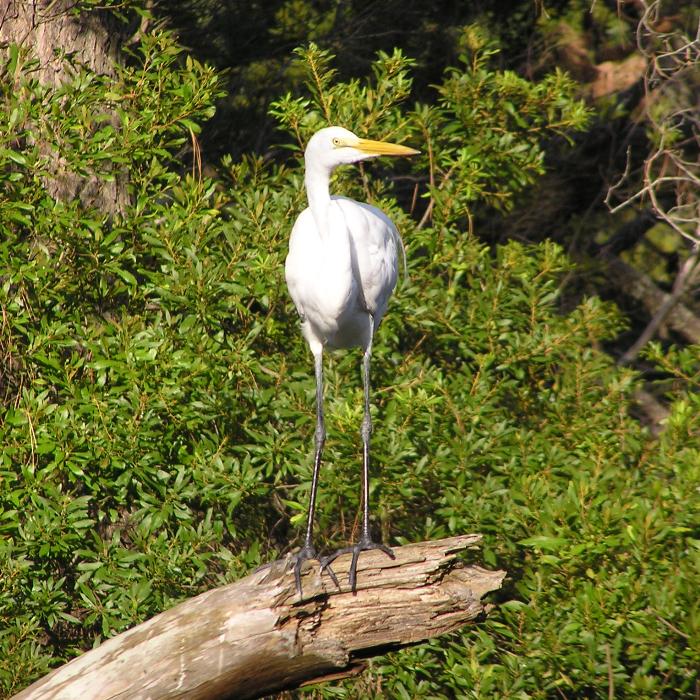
489, 133
128, 349
366, 105
157, 415
253, 44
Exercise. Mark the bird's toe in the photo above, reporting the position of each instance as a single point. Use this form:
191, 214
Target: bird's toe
364, 545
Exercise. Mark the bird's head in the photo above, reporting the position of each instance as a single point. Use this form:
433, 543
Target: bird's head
335, 146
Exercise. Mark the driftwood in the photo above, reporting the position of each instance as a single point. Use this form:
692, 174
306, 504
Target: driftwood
257, 636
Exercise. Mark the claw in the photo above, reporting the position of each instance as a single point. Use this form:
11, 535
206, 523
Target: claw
364, 545
304, 554
326, 565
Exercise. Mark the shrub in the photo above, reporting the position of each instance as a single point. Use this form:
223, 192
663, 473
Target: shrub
157, 416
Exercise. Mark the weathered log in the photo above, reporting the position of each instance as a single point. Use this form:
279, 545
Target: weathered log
258, 636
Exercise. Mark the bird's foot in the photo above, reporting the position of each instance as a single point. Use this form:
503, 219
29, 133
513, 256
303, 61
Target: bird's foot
365, 544
306, 553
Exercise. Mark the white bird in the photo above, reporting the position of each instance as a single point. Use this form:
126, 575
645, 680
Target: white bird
341, 269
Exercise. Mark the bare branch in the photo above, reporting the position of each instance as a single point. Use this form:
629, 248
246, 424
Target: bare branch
684, 278
674, 128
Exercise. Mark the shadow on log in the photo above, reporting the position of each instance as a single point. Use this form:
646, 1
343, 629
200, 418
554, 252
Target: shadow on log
256, 636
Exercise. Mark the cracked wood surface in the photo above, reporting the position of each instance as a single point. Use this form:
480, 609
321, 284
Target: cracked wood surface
256, 636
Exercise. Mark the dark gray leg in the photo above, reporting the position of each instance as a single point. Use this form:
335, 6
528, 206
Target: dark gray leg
365, 542
308, 551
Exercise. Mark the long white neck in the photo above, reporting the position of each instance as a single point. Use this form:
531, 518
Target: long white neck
317, 181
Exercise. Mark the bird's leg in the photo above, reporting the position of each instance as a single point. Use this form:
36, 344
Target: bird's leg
308, 551
365, 542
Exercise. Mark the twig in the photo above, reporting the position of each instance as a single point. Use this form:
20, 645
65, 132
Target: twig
431, 171
637, 285
684, 277
144, 25
611, 678
672, 627
668, 56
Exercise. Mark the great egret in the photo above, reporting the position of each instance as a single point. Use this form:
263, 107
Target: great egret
341, 270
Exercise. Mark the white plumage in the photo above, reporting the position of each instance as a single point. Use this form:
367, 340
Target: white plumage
341, 270
339, 273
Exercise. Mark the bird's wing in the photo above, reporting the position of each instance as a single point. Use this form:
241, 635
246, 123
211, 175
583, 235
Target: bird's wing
375, 244
319, 271
297, 264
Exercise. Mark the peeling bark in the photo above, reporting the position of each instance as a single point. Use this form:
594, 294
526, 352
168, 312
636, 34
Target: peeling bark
257, 636
52, 31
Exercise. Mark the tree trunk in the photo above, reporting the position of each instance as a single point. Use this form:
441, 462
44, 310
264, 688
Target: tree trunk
257, 636
53, 32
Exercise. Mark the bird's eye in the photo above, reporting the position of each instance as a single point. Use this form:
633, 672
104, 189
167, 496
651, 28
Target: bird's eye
337, 141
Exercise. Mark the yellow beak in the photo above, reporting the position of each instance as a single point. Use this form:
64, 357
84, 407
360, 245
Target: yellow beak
382, 148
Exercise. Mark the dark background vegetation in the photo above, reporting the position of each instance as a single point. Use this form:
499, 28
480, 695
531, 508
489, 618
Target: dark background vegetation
157, 398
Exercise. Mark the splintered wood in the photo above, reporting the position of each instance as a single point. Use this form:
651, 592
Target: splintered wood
257, 636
